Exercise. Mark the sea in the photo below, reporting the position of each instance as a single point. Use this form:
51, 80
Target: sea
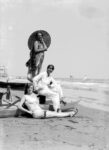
93, 93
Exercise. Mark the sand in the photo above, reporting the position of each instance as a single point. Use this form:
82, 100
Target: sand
88, 130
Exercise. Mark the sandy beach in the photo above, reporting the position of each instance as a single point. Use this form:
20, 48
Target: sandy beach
69, 41
88, 130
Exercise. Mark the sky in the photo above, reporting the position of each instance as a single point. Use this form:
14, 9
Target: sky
79, 31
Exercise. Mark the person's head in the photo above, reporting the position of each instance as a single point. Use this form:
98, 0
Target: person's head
28, 88
39, 36
50, 68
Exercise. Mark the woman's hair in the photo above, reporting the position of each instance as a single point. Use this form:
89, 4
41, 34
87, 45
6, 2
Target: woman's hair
51, 66
27, 86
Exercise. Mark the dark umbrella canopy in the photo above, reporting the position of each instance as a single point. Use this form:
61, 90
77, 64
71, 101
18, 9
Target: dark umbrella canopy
34, 36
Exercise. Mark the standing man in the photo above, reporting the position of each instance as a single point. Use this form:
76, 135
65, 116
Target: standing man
38, 43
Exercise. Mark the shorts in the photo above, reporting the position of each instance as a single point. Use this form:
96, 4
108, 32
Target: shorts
39, 114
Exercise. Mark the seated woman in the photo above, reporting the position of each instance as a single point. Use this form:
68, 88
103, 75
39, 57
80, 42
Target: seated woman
45, 84
31, 101
7, 96
8, 99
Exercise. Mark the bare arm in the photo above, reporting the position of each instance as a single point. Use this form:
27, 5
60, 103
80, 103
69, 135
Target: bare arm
42, 41
40, 49
21, 106
6, 100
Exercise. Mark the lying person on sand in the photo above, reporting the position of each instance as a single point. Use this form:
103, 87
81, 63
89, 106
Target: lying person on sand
32, 102
46, 85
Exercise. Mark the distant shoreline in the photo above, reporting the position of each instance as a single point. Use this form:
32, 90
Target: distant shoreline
88, 80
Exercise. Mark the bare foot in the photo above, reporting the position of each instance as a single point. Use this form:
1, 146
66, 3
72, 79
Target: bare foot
74, 112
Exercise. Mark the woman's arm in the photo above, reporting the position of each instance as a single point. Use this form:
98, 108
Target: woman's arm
39, 49
20, 106
4, 99
42, 40
7, 101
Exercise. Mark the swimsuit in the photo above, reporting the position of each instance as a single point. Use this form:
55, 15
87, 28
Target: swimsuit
38, 112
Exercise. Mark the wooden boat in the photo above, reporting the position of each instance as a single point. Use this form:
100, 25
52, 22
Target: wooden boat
8, 112
13, 111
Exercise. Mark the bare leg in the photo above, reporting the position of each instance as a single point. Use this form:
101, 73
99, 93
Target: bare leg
35, 68
50, 114
38, 62
31, 74
29, 77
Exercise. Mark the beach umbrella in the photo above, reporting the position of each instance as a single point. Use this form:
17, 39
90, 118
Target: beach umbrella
34, 36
